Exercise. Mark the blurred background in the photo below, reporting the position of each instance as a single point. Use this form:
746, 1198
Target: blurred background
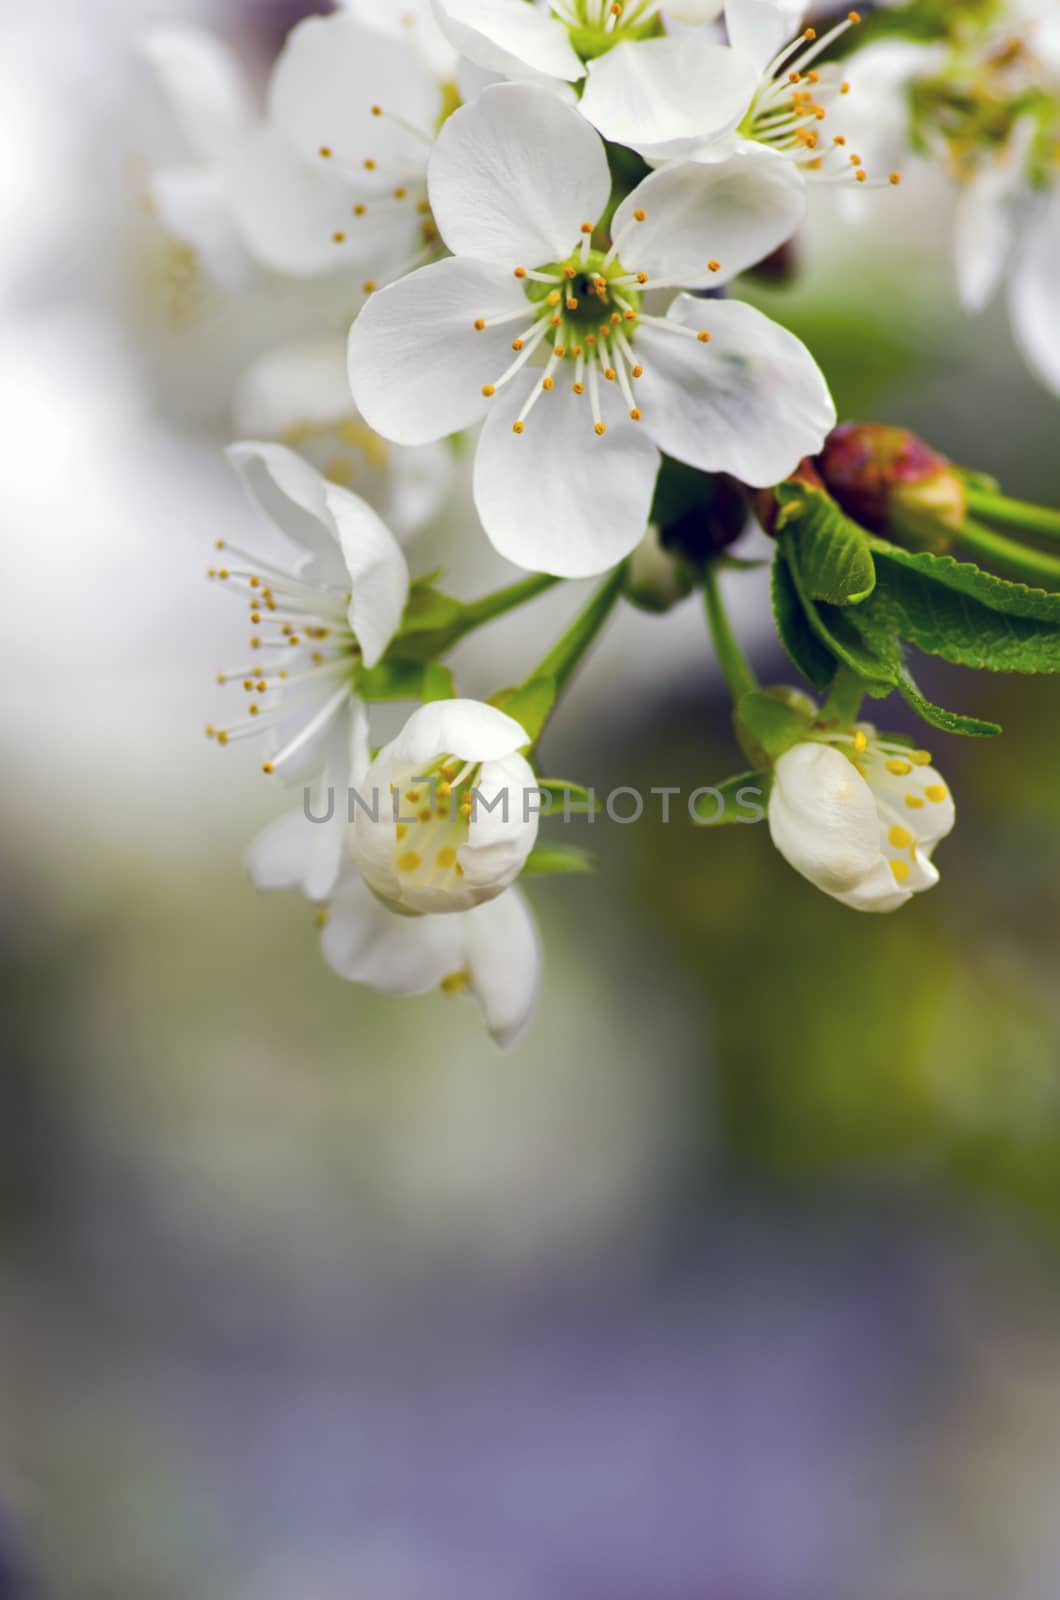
737, 1280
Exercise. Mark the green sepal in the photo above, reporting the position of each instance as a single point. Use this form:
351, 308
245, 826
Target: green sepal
405, 680
552, 860
955, 610
734, 809
429, 609
573, 798
802, 646
530, 705
771, 724
834, 554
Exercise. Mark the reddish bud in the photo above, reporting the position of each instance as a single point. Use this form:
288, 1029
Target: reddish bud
892, 483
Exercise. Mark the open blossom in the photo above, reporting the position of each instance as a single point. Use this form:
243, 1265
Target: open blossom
449, 812
299, 395
315, 622
544, 327
860, 817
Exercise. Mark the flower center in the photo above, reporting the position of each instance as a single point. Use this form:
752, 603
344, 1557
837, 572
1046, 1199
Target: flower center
793, 102
407, 202
432, 815
901, 789
585, 312
346, 451
596, 26
307, 657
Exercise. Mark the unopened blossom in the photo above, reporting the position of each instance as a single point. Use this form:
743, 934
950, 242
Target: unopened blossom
299, 395
447, 813
315, 621
860, 816
548, 329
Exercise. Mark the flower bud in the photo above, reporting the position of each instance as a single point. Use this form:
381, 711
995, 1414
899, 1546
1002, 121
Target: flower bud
657, 579
892, 483
699, 514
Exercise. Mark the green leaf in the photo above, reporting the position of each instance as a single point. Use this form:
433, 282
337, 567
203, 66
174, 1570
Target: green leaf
889, 648
832, 628
549, 860
406, 680
569, 797
773, 726
953, 609
530, 705
742, 799
834, 554
803, 647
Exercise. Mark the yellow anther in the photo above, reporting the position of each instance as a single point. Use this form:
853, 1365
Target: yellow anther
861, 741
600, 429
703, 337
861, 175
854, 17
844, 88
517, 344
900, 837
409, 862
937, 792
446, 857
326, 151
914, 802
713, 266
899, 768
920, 758
610, 374
547, 383
369, 165
587, 227
401, 194
895, 178
488, 391
455, 983
901, 870
520, 272
369, 286
518, 427
222, 737
637, 372
339, 237
640, 216
635, 414
579, 388
377, 111
840, 139
413, 797
400, 831
268, 768
810, 35
321, 919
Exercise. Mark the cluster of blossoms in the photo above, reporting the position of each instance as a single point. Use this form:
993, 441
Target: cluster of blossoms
539, 212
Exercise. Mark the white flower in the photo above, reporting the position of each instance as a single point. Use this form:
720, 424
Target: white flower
209, 95
299, 395
860, 817
1008, 231
567, 461
413, 20
334, 174
314, 624
449, 812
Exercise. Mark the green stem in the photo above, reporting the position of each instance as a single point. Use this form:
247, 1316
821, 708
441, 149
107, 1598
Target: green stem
844, 698
736, 671
567, 653
1017, 560
478, 612
1013, 513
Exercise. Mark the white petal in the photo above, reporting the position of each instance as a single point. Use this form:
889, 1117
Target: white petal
509, 37
417, 364
983, 233
289, 213
751, 402
504, 961
822, 818
877, 892
468, 729
205, 85
279, 856
192, 204
759, 28
515, 175
503, 829
293, 495
379, 573
329, 78
1034, 293
735, 212
364, 942
665, 96
307, 852
693, 12
558, 498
